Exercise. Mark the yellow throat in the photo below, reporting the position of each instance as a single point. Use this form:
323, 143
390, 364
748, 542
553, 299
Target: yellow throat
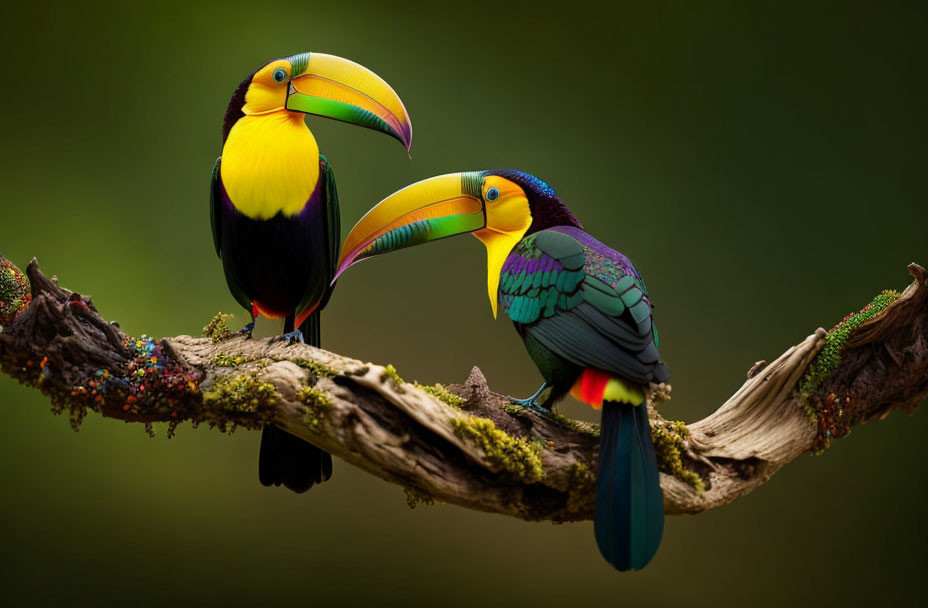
507, 222
270, 164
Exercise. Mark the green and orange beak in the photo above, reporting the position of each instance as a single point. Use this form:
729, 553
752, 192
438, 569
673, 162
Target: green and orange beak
492, 208
429, 210
329, 86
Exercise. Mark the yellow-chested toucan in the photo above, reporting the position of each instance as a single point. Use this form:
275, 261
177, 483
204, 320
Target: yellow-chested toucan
581, 308
274, 209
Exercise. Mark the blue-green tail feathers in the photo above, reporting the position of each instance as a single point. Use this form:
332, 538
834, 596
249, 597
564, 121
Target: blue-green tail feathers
629, 503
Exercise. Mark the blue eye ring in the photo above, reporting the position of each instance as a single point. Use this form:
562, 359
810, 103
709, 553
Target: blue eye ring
280, 75
492, 194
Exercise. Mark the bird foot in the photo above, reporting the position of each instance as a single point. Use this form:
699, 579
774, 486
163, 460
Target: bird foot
246, 330
290, 337
531, 404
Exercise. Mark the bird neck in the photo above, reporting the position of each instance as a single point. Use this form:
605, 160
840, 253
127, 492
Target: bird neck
550, 212
270, 164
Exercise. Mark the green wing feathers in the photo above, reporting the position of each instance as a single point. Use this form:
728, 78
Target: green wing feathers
583, 302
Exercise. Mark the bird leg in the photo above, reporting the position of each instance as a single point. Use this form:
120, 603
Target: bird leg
247, 329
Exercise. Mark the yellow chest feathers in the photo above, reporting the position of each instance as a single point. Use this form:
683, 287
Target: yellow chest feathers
270, 164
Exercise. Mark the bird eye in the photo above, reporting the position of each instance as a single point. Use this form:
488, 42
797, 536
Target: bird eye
280, 75
492, 194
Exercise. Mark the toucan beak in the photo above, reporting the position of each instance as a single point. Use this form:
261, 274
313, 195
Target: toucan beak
432, 209
344, 90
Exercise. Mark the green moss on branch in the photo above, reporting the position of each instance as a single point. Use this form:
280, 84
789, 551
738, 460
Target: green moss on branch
218, 327
560, 420
442, 394
581, 489
317, 404
416, 497
318, 369
390, 373
668, 437
574, 425
224, 360
514, 455
827, 410
828, 359
241, 400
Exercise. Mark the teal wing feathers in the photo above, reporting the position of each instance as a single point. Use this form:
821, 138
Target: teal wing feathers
541, 277
582, 302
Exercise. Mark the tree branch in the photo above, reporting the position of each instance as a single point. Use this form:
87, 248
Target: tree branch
464, 444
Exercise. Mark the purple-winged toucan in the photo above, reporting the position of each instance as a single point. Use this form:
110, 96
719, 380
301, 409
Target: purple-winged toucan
274, 209
581, 308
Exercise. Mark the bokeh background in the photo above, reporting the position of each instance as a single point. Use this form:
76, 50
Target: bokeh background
762, 163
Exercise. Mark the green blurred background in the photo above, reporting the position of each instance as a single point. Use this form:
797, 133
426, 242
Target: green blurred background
763, 164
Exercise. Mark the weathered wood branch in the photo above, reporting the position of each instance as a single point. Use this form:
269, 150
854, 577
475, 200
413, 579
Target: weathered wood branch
475, 450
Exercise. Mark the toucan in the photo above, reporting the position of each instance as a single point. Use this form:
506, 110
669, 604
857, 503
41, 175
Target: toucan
581, 308
274, 210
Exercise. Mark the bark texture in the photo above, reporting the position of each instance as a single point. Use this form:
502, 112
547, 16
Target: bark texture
468, 446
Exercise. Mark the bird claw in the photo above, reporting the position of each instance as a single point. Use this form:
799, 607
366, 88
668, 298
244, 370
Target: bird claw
246, 330
290, 337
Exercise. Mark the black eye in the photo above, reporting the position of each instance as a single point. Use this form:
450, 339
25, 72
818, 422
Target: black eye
280, 75
492, 194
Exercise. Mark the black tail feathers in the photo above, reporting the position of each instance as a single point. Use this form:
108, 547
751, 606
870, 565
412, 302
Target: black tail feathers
311, 329
287, 460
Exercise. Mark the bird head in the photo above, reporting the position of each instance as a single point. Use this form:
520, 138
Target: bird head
498, 207
323, 85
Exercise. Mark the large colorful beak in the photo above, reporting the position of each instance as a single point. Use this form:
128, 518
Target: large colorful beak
429, 210
326, 85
